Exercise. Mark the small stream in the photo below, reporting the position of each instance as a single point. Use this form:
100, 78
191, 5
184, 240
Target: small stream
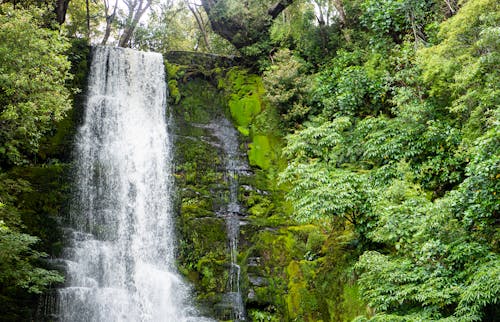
235, 165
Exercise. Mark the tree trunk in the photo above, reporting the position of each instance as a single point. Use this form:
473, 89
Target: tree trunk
339, 6
452, 7
200, 23
278, 7
60, 9
87, 12
109, 20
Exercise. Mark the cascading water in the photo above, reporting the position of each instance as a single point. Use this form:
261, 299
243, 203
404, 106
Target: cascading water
120, 264
225, 132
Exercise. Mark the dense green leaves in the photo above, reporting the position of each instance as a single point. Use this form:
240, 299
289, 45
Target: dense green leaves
407, 148
17, 262
287, 85
33, 72
347, 87
435, 263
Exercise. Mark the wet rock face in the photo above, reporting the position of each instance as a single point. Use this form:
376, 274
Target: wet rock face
214, 183
203, 189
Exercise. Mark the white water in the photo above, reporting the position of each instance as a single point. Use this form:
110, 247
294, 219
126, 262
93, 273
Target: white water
120, 264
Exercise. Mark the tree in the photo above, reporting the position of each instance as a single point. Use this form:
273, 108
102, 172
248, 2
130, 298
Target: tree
322, 183
328, 10
33, 72
82, 18
438, 269
136, 9
200, 22
23, 268
403, 143
243, 23
18, 262
110, 14
287, 85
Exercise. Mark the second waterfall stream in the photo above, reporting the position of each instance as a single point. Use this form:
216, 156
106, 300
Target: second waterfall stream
120, 258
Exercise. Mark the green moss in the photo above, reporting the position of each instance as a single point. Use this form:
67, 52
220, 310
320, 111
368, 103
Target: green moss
243, 110
352, 304
203, 256
291, 258
262, 209
199, 103
213, 275
196, 207
302, 303
245, 93
173, 90
259, 153
42, 206
294, 261
173, 71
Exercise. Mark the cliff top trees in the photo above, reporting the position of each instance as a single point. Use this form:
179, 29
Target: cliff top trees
243, 23
106, 21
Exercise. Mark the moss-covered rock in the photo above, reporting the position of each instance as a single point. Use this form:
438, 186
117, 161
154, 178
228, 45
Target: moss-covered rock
202, 246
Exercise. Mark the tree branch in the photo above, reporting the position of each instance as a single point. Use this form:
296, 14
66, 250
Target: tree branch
278, 7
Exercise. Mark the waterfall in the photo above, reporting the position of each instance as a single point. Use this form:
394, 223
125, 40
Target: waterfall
120, 261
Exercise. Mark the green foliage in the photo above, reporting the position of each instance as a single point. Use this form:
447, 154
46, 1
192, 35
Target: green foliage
384, 16
76, 21
399, 19
243, 24
404, 146
29, 201
173, 91
169, 26
319, 193
298, 30
322, 183
482, 290
435, 261
461, 70
287, 85
32, 198
17, 259
393, 156
349, 88
33, 72
34, 100
262, 316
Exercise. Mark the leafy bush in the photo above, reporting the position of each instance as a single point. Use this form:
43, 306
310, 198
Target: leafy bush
33, 73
